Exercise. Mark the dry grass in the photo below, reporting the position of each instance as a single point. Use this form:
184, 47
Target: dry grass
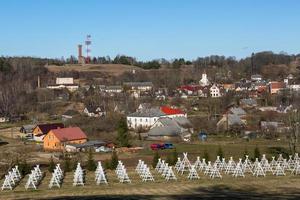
111, 69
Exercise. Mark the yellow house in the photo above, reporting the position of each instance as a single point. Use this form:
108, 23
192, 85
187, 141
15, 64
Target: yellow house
56, 139
41, 130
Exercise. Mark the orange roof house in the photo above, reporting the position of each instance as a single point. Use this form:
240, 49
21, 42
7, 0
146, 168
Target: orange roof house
56, 139
41, 130
276, 86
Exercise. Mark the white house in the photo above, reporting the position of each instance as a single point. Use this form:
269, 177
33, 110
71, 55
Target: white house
215, 91
67, 83
64, 81
139, 86
3, 119
113, 89
204, 80
94, 112
144, 118
256, 77
294, 87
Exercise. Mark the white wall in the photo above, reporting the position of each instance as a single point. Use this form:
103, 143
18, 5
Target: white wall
143, 122
64, 81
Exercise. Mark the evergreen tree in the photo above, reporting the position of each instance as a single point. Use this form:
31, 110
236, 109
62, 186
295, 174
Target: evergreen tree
24, 168
122, 137
114, 160
220, 152
205, 155
256, 153
51, 166
174, 156
155, 159
67, 163
91, 164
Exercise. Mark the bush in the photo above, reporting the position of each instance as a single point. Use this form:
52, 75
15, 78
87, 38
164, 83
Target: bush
24, 168
279, 150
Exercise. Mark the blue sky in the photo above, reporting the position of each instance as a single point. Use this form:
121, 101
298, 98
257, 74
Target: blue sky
149, 29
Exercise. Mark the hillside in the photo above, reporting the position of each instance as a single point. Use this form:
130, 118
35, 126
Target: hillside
110, 69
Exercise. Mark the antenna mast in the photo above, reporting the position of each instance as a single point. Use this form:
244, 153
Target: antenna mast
88, 42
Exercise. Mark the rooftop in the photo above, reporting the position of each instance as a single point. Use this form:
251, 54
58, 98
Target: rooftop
152, 112
171, 111
69, 134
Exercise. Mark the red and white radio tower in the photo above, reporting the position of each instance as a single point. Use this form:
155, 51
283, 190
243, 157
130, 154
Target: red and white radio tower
88, 42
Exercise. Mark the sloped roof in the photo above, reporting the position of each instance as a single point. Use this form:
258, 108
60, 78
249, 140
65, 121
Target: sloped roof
249, 101
171, 111
234, 119
277, 85
166, 121
152, 112
237, 111
165, 131
183, 122
45, 128
69, 134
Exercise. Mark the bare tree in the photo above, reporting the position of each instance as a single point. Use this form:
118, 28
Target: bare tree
294, 122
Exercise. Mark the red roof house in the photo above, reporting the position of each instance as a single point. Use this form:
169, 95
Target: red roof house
56, 139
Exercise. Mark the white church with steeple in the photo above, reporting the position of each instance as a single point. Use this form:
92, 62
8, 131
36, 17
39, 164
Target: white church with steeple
204, 80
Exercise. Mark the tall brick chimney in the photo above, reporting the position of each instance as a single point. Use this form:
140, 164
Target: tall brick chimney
80, 57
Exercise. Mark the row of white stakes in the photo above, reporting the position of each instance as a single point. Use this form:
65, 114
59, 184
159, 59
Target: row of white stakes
34, 178
12, 178
57, 177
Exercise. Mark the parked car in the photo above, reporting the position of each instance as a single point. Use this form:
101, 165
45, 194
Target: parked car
103, 149
157, 146
168, 146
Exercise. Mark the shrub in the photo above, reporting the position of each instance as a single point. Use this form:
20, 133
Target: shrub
51, 166
24, 168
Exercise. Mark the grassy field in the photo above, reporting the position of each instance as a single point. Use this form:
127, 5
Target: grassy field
249, 187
